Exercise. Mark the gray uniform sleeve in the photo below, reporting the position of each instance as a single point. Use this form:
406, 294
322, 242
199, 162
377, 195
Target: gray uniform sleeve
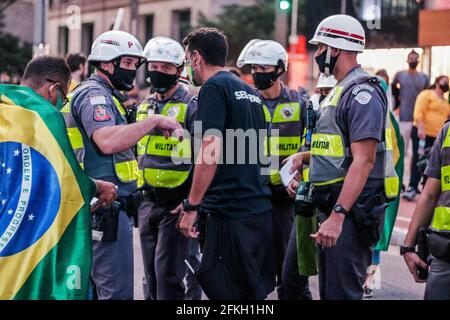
435, 162
95, 111
365, 113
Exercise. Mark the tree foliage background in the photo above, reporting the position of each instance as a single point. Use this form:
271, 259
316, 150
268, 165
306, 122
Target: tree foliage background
14, 53
244, 23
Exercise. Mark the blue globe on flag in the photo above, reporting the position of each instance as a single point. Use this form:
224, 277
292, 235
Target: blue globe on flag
26, 213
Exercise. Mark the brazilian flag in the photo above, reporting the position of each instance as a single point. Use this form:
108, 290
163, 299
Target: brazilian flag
45, 231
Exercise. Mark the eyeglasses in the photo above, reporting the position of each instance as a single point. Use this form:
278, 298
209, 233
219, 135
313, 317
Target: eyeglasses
64, 97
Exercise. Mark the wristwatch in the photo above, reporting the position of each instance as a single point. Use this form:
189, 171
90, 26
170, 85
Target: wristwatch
404, 250
340, 209
189, 207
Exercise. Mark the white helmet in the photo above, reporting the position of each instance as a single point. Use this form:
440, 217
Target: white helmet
341, 32
163, 49
326, 82
114, 44
263, 52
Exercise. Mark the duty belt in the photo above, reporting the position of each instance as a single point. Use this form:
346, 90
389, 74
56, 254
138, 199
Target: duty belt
164, 197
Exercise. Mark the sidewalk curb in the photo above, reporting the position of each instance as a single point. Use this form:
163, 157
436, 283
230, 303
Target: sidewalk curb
398, 236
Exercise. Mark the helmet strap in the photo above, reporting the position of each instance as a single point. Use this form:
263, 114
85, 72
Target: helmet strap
105, 72
111, 76
328, 61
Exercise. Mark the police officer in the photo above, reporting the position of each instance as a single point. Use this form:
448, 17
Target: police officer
165, 167
432, 210
284, 110
348, 163
105, 142
296, 286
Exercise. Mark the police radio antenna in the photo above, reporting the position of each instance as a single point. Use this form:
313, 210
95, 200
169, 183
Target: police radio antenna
119, 19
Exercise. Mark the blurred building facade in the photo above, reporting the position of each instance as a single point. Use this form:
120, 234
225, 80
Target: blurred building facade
73, 25
23, 10
393, 28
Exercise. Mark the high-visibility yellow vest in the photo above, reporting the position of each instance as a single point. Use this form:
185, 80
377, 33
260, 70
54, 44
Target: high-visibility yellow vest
441, 217
165, 163
287, 120
125, 163
330, 148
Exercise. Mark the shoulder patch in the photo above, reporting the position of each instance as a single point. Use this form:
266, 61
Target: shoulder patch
97, 99
100, 114
363, 97
362, 86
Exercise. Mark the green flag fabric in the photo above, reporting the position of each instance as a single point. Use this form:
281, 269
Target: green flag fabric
306, 246
392, 208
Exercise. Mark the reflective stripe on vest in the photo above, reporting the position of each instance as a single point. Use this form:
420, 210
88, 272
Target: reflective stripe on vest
441, 217
125, 164
286, 119
75, 137
165, 163
330, 157
391, 180
327, 145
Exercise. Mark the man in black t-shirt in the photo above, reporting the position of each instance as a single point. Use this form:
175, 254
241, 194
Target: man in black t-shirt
229, 180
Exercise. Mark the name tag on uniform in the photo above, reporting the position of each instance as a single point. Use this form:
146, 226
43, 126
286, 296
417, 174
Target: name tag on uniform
97, 99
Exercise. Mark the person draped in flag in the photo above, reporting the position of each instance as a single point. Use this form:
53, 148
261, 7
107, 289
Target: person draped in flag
45, 251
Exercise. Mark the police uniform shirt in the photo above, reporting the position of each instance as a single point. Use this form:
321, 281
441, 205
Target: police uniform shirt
226, 102
435, 161
363, 115
94, 108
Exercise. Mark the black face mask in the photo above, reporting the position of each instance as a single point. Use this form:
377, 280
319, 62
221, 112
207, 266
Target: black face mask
321, 98
264, 80
322, 63
444, 87
162, 82
121, 79
413, 65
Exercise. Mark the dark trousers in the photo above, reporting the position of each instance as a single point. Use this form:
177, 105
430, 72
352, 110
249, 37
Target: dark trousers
193, 288
283, 213
343, 267
438, 282
164, 249
112, 265
238, 258
295, 286
415, 174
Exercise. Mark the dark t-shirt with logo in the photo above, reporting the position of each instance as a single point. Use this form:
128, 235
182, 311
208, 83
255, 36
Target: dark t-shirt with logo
226, 104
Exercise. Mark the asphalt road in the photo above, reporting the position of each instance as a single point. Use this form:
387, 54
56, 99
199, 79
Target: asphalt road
396, 281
